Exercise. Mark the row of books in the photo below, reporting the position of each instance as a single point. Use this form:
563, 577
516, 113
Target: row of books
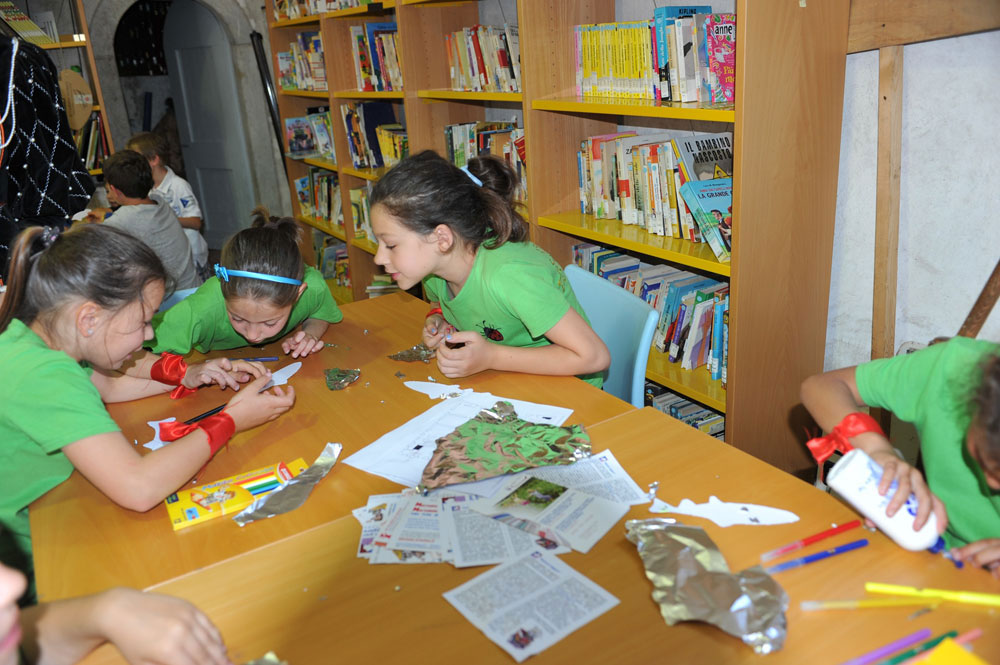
681, 54
466, 140
361, 122
376, 64
319, 198
484, 58
362, 213
381, 285
688, 412
286, 9
92, 142
311, 135
301, 67
15, 23
393, 143
655, 181
692, 328
331, 258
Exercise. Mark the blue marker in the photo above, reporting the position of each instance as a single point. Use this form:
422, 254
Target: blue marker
260, 359
795, 563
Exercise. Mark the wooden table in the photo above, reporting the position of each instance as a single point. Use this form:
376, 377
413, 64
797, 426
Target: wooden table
85, 543
311, 601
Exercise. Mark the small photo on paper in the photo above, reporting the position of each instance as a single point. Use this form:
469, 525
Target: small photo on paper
532, 497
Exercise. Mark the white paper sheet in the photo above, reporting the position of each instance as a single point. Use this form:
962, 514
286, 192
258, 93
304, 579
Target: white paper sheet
402, 454
577, 518
530, 603
725, 513
478, 540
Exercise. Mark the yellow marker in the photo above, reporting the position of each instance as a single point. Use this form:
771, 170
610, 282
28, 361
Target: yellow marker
862, 603
967, 597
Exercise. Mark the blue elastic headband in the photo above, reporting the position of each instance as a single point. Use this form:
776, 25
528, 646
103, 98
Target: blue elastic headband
466, 171
224, 274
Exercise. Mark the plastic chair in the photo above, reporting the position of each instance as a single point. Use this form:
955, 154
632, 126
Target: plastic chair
175, 298
625, 323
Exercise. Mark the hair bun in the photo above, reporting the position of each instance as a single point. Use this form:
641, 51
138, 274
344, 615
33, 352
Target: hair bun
496, 175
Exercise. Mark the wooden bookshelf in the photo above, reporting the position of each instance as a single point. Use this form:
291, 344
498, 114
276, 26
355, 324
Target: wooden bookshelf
368, 94
786, 128
314, 94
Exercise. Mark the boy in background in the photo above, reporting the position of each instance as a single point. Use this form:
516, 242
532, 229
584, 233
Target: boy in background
176, 191
129, 182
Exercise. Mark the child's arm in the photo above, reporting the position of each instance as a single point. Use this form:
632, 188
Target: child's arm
146, 628
829, 398
984, 552
190, 222
140, 482
309, 339
575, 349
134, 382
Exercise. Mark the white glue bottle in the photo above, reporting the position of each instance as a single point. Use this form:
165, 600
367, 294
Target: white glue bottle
855, 477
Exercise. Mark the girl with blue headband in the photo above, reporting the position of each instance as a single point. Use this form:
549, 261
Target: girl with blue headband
498, 301
261, 292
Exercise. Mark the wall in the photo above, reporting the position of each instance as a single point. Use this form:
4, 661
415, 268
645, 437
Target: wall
949, 233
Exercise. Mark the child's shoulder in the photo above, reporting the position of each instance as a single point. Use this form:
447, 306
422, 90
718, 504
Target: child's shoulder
519, 256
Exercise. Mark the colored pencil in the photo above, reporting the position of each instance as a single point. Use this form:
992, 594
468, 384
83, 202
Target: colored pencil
967, 597
920, 648
964, 638
890, 648
260, 359
818, 556
202, 416
809, 540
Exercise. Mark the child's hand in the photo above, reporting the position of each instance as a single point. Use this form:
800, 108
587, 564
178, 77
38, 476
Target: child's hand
224, 372
151, 628
984, 553
435, 328
250, 408
910, 481
474, 355
301, 345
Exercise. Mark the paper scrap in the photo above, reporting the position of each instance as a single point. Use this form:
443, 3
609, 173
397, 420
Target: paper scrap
338, 379
529, 604
725, 513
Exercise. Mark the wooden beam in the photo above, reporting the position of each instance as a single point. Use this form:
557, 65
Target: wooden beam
879, 23
983, 306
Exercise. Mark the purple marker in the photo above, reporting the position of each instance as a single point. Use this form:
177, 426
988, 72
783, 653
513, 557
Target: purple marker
888, 649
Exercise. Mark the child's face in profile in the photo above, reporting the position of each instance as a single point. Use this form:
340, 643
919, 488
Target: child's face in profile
256, 320
406, 255
977, 443
122, 333
12, 585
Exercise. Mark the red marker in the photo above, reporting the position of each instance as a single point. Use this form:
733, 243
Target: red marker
799, 544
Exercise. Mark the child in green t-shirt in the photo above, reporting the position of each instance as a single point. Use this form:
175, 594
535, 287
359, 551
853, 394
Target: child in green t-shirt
87, 297
951, 393
261, 292
502, 303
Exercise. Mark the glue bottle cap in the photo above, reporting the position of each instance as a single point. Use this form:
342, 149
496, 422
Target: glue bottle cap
937, 547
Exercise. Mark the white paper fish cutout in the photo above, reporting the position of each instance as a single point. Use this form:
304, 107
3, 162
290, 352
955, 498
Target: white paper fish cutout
157, 442
436, 390
725, 513
281, 376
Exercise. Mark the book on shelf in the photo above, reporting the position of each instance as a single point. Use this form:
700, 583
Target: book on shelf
704, 156
22, 26
381, 285
363, 71
720, 33
360, 123
711, 204
300, 138
393, 143
484, 58
286, 70
361, 213
325, 198
304, 196
301, 67
376, 37
323, 134
91, 142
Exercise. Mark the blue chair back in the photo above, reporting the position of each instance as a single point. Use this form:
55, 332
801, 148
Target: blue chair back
625, 323
175, 298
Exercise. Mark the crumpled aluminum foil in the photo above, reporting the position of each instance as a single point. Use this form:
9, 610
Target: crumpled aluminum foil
268, 659
294, 493
414, 353
692, 583
338, 379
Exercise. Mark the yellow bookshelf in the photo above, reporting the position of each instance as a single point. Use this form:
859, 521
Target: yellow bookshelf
324, 226
314, 94
367, 245
645, 108
696, 384
321, 163
341, 294
368, 94
468, 96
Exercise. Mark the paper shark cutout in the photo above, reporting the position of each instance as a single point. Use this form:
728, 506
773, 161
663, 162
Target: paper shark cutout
436, 390
281, 376
725, 513
157, 442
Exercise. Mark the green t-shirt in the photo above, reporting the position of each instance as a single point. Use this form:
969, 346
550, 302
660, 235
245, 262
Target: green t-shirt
48, 402
932, 389
200, 320
513, 295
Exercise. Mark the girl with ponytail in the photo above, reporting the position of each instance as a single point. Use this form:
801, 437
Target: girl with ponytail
499, 301
78, 305
261, 291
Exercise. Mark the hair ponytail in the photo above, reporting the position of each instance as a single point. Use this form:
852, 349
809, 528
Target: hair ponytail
426, 190
95, 263
270, 246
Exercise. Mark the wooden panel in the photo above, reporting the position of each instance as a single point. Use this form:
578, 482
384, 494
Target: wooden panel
890, 145
878, 23
789, 102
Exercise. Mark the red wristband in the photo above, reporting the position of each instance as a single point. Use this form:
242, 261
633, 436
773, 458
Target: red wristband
219, 428
170, 369
838, 440
436, 310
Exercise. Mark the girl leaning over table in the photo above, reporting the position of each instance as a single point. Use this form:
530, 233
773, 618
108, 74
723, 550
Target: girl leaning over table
77, 306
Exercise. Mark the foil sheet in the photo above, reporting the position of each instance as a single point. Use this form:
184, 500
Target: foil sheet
268, 659
294, 493
497, 442
338, 379
692, 583
414, 353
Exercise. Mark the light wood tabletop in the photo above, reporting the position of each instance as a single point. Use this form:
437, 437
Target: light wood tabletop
311, 600
85, 543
